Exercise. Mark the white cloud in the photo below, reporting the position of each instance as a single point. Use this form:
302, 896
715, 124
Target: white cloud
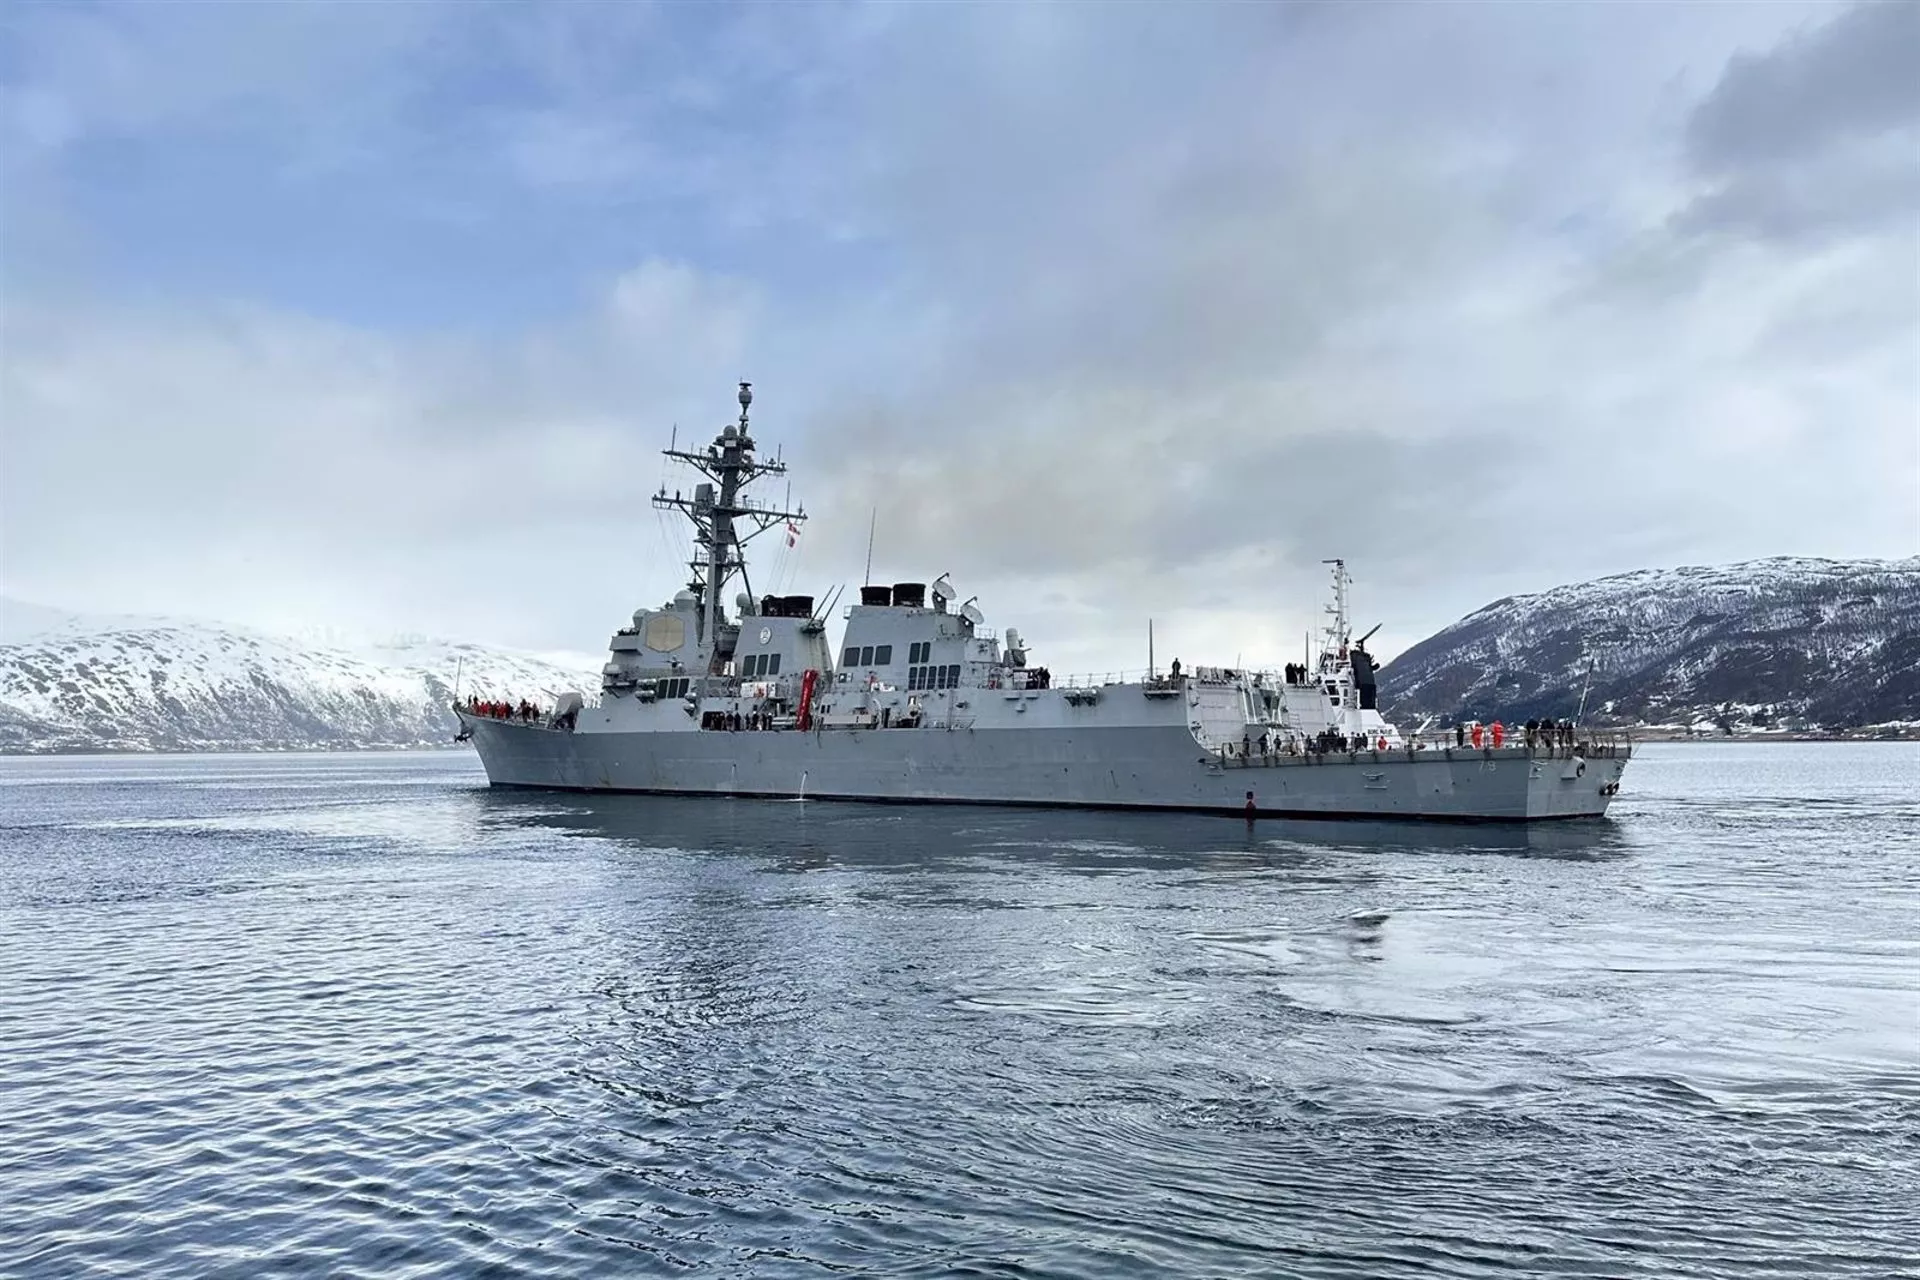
1114, 313
271, 469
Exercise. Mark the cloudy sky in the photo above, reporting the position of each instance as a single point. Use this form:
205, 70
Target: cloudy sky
373, 317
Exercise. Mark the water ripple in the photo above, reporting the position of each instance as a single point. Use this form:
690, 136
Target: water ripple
358, 1016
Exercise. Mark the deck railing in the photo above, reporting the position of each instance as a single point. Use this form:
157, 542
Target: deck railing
1232, 756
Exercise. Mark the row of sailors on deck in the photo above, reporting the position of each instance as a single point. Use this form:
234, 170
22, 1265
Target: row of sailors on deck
1548, 733
521, 710
1325, 743
1540, 733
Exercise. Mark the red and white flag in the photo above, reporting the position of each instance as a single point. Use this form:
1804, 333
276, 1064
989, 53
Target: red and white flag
793, 533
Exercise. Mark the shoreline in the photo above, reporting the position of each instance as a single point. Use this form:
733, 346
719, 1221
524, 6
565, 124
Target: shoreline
1638, 737
1681, 735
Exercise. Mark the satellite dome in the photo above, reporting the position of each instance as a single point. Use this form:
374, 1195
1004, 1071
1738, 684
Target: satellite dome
683, 599
729, 432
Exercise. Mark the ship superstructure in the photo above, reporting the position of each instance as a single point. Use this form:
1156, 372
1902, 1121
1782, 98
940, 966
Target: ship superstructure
919, 701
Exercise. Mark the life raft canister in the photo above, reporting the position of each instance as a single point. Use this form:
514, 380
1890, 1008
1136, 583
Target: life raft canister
805, 718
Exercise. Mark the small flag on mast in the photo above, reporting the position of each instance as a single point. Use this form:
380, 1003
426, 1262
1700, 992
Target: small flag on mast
793, 533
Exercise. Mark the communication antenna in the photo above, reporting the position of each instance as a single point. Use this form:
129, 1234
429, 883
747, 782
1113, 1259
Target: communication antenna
1150, 671
873, 518
1581, 714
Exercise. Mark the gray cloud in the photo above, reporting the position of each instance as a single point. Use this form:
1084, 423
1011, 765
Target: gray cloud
1839, 193
1819, 135
1187, 364
1857, 76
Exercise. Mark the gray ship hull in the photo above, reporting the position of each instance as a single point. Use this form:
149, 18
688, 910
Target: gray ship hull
1119, 767
919, 703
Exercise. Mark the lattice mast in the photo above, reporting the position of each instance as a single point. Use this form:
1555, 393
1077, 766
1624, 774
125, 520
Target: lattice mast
1339, 628
719, 510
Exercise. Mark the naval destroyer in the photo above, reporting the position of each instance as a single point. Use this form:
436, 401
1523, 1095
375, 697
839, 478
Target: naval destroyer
920, 702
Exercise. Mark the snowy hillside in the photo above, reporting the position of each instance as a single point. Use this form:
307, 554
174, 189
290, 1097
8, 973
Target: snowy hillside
1795, 642
71, 683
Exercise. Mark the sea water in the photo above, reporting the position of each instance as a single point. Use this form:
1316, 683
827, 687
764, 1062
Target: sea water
359, 1015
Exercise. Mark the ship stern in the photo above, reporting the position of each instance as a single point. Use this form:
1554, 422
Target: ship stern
1577, 784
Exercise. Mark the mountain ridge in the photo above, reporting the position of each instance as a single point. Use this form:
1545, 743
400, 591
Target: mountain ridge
79, 683
1788, 642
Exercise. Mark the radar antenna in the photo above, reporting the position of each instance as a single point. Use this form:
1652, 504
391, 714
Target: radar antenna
719, 511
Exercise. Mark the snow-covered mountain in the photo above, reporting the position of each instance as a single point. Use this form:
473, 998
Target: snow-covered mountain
1783, 642
75, 683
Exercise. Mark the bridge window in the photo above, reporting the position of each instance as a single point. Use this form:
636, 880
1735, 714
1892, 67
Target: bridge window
771, 665
921, 651
851, 658
882, 655
866, 656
